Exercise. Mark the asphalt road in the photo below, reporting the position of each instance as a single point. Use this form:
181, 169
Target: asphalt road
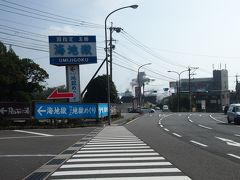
22, 152
201, 145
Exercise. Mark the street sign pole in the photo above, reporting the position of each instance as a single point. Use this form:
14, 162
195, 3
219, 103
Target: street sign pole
73, 82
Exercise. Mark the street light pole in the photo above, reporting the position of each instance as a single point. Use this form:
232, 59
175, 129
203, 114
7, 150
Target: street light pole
179, 84
107, 72
139, 86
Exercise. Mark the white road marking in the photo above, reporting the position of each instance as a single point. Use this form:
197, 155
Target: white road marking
161, 126
117, 140
125, 142
116, 154
117, 164
159, 122
190, 120
229, 142
235, 156
137, 178
204, 126
28, 155
118, 150
175, 134
166, 129
98, 148
116, 171
30, 132
237, 135
112, 145
198, 143
215, 119
116, 159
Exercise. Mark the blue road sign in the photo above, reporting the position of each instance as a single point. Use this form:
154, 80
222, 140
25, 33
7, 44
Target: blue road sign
68, 110
70, 50
102, 110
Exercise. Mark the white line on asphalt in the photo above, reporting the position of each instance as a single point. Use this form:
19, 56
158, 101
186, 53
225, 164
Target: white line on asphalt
166, 129
125, 142
116, 164
28, 155
25, 137
115, 145
137, 178
120, 147
118, 140
116, 154
161, 126
190, 120
200, 144
159, 122
235, 156
177, 135
229, 141
116, 159
204, 126
111, 151
30, 132
215, 119
237, 135
115, 171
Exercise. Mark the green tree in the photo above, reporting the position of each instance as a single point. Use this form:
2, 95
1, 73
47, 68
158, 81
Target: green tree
19, 78
97, 91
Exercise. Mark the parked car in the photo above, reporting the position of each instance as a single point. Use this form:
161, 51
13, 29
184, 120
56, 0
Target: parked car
233, 113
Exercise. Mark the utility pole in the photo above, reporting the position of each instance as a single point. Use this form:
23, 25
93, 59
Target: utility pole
110, 44
189, 86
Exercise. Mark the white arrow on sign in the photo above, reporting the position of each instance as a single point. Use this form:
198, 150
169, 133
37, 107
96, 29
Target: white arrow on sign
40, 110
229, 142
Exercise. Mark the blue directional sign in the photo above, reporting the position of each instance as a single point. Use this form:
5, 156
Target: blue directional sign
69, 110
70, 50
102, 110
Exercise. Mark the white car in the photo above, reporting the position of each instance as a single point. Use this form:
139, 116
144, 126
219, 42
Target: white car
233, 113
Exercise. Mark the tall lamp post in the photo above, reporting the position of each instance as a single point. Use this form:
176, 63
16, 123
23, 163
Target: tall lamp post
107, 72
139, 85
179, 74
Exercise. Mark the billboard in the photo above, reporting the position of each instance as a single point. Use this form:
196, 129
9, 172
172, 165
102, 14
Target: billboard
72, 50
15, 110
69, 110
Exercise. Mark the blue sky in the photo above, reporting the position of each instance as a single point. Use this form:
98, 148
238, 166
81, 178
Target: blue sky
170, 34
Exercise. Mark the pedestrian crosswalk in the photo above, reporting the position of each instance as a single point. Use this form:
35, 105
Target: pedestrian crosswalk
116, 154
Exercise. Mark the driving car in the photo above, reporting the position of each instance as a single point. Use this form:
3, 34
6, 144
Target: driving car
233, 113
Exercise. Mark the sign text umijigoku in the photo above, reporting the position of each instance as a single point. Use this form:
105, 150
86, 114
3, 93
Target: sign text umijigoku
72, 50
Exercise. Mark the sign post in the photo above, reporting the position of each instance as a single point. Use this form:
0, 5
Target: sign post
72, 51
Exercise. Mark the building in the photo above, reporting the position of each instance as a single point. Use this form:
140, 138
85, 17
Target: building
207, 94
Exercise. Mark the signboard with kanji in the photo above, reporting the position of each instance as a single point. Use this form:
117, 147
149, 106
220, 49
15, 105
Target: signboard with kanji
70, 50
69, 110
15, 110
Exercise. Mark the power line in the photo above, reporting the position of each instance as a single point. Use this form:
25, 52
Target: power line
55, 15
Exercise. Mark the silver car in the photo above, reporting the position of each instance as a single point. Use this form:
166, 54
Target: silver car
233, 113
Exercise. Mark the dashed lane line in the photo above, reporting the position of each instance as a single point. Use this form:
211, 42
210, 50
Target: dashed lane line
166, 129
233, 155
205, 127
198, 143
178, 135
